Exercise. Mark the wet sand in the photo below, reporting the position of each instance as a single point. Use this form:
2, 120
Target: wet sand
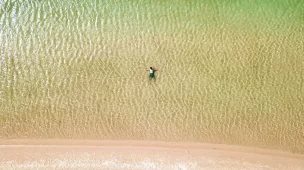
120, 154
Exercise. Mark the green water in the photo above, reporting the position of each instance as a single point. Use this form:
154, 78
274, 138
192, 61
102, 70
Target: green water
227, 72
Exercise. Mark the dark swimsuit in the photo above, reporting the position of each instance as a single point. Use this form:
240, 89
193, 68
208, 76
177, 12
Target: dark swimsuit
151, 75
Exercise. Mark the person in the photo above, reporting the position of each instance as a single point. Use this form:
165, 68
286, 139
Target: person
151, 75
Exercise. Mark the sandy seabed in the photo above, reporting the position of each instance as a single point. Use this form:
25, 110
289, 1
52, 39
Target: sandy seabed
102, 154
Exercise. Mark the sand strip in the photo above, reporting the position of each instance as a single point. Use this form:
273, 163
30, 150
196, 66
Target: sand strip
106, 154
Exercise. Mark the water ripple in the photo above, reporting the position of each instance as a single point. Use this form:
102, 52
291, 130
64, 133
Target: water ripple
227, 72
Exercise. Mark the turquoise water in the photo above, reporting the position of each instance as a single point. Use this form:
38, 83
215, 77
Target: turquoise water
228, 72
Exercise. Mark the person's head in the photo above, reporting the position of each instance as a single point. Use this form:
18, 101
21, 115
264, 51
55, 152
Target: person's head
151, 68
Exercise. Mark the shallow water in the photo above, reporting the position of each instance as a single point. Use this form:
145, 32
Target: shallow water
227, 72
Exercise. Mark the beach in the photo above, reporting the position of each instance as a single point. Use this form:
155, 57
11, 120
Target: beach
124, 154
228, 73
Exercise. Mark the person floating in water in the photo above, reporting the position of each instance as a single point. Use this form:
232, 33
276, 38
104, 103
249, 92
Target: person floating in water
152, 75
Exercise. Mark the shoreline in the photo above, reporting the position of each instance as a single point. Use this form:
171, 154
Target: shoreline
124, 154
